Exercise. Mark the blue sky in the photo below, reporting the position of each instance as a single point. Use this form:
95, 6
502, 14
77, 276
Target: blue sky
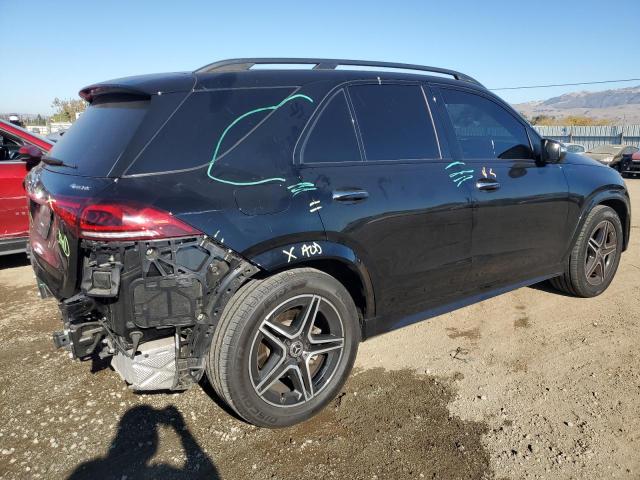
54, 48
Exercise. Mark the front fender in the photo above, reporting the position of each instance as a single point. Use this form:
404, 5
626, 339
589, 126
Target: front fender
605, 195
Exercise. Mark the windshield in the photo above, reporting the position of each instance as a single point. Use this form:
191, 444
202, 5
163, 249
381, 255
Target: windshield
94, 143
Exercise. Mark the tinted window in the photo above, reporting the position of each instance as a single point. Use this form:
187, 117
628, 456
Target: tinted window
97, 139
217, 121
394, 122
7, 139
484, 129
333, 138
9, 146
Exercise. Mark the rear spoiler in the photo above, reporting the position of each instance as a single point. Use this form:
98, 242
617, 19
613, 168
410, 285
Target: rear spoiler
141, 86
90, 93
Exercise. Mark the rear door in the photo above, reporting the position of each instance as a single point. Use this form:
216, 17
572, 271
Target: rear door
520, 204
381, 182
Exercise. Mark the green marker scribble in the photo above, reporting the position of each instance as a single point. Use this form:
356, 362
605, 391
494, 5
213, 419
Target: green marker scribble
460, 176
301, 187
453, 164
304, 190
461, 172
462, 180
232, 124
63, 241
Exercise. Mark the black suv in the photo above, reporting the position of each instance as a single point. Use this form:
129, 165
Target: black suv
257, 223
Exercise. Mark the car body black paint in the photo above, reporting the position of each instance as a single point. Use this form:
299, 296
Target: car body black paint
531, 202
419, 242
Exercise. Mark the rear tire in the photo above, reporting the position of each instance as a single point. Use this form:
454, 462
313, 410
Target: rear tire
284, 347
595, 256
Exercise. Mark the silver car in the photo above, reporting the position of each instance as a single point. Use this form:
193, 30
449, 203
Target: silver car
574, 148
610, 154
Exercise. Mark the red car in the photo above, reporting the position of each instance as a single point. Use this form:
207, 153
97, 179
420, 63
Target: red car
17, 148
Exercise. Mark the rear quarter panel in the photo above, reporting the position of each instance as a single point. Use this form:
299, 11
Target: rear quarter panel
245, 195
248, 220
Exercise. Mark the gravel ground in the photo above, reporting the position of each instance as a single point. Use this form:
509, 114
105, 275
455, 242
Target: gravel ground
532, 384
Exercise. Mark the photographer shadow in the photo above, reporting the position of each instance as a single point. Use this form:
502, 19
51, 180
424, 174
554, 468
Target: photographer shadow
136, 443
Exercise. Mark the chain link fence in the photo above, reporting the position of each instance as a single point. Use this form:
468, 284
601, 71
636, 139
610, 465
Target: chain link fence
590, 136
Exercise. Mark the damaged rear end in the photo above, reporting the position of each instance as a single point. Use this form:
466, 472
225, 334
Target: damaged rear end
134, 282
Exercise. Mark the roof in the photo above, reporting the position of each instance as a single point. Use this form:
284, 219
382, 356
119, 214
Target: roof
238, 73
244, 64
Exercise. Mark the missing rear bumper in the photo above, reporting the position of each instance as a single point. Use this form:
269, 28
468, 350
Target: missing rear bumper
152, 306
61, 339
153, 367
80, 339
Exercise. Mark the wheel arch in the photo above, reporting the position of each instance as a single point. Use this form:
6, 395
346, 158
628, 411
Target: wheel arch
622, 209
618, 200
336, 260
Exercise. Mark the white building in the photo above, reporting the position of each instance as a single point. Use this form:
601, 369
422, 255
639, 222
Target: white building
59, 126
38, 129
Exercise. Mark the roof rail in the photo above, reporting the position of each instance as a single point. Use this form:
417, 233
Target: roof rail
240, 64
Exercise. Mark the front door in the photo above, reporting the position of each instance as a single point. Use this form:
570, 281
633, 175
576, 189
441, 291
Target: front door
520, 204
381, 182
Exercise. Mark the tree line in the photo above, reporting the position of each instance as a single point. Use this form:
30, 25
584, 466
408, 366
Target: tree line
582, 120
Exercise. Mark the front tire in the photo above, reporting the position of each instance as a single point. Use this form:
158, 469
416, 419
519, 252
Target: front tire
594, 259
284, 347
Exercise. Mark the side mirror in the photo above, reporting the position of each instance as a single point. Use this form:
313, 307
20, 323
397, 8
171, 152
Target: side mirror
30, 154
552, 151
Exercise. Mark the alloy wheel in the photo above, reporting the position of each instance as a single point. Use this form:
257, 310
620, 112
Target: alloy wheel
601, 253
296, 350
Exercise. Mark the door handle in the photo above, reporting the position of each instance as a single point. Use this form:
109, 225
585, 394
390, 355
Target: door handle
350, 195
487, 184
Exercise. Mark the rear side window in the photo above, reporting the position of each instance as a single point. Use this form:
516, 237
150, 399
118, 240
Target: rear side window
484, 129
333, 137
96, 140
394, 122
211, 123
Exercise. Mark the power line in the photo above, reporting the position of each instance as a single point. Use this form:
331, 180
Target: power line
568, 84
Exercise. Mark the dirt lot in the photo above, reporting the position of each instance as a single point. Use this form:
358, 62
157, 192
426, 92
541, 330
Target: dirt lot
532, 384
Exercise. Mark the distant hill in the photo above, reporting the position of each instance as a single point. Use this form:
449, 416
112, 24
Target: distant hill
620, 105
